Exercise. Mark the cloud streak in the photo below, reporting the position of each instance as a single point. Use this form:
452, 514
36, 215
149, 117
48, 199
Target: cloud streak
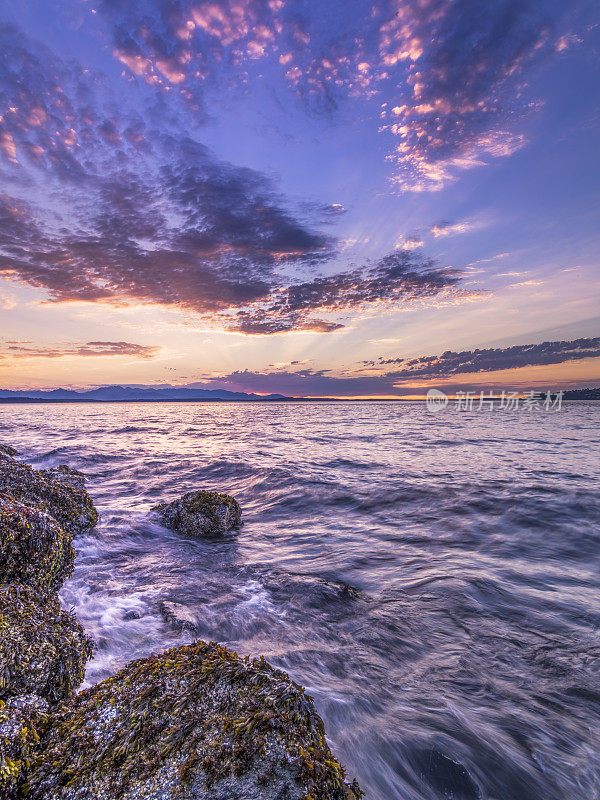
492, 359
87, 350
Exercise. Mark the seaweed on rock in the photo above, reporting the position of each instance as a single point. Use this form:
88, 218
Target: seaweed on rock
195, 722
59, 492
34, 550
201, 514
43, 649
22, 721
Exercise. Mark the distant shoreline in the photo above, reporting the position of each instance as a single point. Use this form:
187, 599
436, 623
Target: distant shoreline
87, 401
43, 400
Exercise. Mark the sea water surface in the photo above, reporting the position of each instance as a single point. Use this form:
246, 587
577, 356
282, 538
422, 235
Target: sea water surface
432, 579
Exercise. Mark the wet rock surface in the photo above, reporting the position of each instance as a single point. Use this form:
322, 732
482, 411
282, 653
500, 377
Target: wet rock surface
196, 722
201, 514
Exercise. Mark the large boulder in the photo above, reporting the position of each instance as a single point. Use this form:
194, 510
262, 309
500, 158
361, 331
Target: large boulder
58, 492
34, 549
201, 514
43, 649
22, 721
194, 723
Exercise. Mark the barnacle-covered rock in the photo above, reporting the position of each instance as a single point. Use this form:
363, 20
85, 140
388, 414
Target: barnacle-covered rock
201, 514
34, 549
195, 723
43, 649
22, 721
54, 491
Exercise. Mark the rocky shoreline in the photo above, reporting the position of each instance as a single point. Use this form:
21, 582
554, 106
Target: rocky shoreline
194, 723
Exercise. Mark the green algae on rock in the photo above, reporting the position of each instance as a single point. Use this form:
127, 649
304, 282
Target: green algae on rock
201, 514
195, 723
43, 649
22, 721
59, 492
34, 550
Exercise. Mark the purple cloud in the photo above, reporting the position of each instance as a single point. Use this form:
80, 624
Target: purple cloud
89, 349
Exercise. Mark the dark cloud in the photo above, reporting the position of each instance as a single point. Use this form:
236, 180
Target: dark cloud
87, 349
259, 323
399, 278
493, 359
163, 223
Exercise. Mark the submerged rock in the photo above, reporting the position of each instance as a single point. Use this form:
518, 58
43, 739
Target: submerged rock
54, 491
195, 723
201, 514
43, 649
22, 721
178, 615
34, 549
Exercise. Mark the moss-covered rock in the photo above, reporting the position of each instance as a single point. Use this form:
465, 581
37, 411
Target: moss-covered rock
22, 722
201, 514
43, 649
59, 492
195, 723
34, 549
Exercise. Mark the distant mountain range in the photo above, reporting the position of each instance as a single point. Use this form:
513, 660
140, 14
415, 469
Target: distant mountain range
106, 394
133, 393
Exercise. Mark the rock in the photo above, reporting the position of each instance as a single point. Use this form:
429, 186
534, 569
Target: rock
66, 475
201, 514
22, 721
34, 550
308, 591
43, 649
178, 615
53, 491
195, 723
6, 450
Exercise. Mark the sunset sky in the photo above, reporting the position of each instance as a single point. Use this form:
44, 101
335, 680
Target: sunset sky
324, 197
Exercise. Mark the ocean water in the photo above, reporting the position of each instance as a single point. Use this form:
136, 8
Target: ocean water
432, 579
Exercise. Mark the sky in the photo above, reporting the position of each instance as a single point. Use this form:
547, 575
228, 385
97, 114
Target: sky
309, 197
